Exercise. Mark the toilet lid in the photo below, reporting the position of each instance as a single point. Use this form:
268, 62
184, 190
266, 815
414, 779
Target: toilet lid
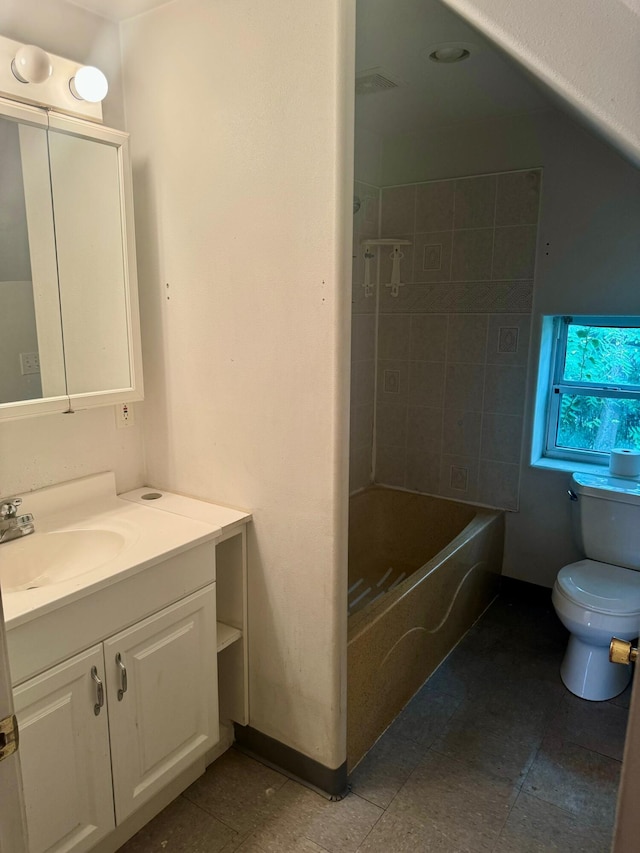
601, 587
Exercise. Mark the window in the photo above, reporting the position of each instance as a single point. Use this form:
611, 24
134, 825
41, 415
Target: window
594, 399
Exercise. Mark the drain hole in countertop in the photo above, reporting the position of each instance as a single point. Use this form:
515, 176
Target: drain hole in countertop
151, 496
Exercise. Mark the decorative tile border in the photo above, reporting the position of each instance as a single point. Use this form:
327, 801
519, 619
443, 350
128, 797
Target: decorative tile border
490, 297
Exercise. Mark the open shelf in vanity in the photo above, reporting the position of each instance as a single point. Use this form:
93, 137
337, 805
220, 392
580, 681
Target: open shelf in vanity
226, 635
231, 580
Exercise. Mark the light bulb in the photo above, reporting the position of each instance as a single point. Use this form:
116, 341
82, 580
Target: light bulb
89, 84
31, 64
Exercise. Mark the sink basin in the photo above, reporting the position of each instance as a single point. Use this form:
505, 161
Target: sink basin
41, 559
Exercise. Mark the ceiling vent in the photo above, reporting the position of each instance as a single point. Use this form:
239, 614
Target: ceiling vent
374, 80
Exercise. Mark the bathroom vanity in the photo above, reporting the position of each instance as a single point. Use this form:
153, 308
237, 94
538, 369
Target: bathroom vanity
126, 629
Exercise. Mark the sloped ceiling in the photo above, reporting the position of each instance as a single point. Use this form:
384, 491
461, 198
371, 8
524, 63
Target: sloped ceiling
586, 51
396, 36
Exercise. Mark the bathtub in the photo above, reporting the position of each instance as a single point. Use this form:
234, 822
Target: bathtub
421, 571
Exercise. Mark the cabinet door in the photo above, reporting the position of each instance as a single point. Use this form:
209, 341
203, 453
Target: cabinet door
64, 747
168, 714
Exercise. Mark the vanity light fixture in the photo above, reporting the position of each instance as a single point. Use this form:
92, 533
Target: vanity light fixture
31, 75
89, 84
31, 64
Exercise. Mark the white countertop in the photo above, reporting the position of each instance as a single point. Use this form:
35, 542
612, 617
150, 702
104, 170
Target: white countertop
148, 532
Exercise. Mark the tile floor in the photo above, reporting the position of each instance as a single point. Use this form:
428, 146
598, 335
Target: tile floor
493, 754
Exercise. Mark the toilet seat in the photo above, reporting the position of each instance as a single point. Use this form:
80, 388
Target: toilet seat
601, 587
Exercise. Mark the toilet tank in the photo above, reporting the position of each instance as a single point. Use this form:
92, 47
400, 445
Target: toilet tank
608, 518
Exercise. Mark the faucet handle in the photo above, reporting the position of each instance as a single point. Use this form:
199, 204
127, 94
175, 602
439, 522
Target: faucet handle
9, 508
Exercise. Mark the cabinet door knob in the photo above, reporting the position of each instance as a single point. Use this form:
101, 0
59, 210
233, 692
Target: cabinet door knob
123, 677
99, 690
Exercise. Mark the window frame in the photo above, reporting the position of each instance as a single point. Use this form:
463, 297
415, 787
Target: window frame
559, 386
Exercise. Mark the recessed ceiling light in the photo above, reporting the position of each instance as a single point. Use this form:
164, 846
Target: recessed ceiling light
449, 53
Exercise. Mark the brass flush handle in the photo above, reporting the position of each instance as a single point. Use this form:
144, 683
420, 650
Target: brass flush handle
620, 651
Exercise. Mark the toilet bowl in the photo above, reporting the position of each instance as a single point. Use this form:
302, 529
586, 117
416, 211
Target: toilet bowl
599, 597
595, 602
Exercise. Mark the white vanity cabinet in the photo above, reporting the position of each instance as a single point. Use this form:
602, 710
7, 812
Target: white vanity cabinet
128, 677
64, 752
162, 695
81, 759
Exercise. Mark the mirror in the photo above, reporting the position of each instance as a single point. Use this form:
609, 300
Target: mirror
22, 343
69, 326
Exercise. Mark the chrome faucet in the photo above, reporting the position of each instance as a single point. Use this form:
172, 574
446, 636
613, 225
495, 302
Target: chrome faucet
12, 525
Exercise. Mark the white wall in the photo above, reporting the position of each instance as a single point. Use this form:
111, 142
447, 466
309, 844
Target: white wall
468, 148
590, 217
39, 451
368, 157
586, 51
239, 112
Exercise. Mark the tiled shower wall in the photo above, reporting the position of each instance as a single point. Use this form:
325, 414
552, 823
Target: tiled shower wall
363, 334
452, 347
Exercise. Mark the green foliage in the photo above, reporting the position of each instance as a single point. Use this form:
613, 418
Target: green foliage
602, 355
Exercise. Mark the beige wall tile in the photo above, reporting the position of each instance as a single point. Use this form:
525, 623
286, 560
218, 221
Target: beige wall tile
464, 384
434, 206
475, 201
361, 427
426, 384
453, 346
518, 198
432, 256
424, 428
391, 425
504, 389
422, 471
398, 210
459, 477
461, 433
471, 255
362, 382
508, 341
467, 338
359, 469
390, 466
363, 337
393, 381
473, 297
394, 336
428, 337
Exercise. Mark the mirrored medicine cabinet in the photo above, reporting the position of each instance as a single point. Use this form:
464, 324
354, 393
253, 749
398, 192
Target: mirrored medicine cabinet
69, 322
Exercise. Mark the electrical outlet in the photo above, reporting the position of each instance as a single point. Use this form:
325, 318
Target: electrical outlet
125, 416
29, 363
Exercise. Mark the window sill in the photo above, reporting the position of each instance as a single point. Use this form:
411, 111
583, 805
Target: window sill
570, 466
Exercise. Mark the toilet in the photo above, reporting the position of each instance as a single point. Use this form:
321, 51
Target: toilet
599, 597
